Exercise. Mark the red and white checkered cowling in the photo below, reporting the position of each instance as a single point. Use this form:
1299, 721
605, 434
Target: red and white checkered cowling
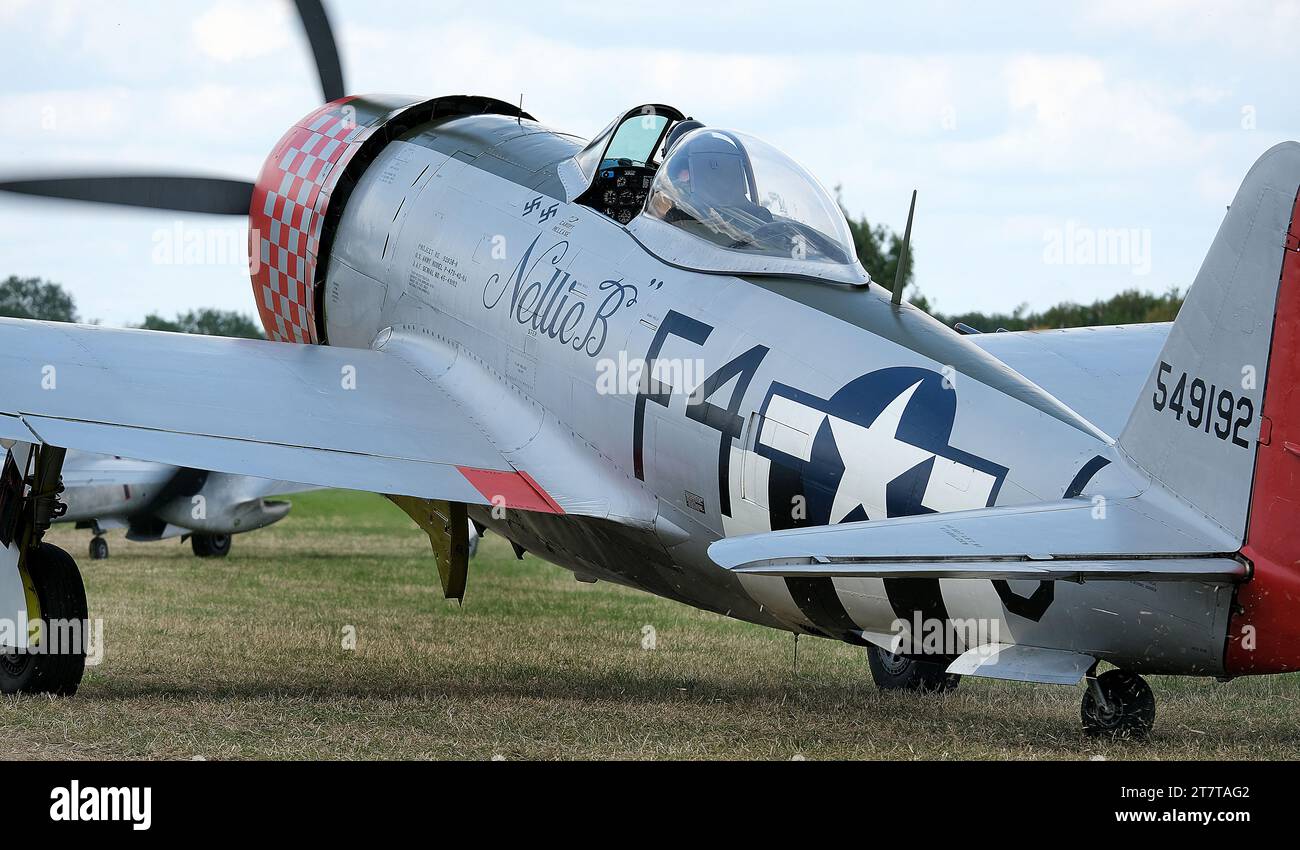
288, 209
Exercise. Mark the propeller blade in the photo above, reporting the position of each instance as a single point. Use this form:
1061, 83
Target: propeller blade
191, 194
317, 26
184, 194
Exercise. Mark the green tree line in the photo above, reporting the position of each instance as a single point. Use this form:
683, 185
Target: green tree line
878, 248
34, 298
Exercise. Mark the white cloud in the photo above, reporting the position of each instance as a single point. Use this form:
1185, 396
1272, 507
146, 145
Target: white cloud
14, 9
573, 87
39, 118
1216, 187
1250, 25
231, 31
1000, 139
1067, 114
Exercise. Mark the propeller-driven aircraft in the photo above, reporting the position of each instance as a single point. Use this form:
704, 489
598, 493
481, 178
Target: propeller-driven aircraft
158, 501
653, 358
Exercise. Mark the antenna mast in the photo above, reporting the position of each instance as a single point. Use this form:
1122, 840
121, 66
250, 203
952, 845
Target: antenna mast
902, 254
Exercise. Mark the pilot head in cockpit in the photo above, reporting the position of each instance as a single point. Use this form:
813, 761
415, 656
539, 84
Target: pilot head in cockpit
675, 135
707, 176
679, 170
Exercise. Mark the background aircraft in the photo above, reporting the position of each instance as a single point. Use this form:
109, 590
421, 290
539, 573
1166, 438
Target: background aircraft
157, 501
654, 358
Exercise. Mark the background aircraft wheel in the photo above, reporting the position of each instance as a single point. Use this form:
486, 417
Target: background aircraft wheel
895, 673
210, 545
98, 548
63, 599
1129, 710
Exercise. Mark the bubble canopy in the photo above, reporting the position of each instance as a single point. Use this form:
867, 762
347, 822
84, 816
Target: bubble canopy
725, 201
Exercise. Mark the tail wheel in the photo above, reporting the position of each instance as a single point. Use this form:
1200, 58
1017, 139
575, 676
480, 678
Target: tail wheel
897, 673
57, 667
210, 545
1118, 704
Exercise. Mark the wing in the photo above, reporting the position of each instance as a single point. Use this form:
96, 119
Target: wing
334, 417
1098, 372
1061, 540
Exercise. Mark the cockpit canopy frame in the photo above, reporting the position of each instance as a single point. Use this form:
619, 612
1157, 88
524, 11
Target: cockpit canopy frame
612, 174
727, 202
722, 201
655, 119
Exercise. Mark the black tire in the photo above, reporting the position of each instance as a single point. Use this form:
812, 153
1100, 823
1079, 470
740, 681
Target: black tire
98, 549
210, 545
63, 599
1130, 709
896, 673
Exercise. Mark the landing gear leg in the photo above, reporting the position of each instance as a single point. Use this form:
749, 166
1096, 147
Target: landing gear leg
57, 666
55, 657
1118, 704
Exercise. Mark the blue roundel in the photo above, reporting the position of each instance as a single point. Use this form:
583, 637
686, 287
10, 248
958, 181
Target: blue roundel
881, 436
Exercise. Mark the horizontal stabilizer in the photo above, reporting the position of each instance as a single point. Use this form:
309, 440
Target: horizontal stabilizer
1070, 539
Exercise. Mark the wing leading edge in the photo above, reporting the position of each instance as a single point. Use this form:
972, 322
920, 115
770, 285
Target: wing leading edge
333, 417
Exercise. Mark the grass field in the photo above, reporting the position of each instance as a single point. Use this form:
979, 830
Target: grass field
243, 658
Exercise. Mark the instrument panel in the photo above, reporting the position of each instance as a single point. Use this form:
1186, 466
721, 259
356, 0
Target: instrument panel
619, 191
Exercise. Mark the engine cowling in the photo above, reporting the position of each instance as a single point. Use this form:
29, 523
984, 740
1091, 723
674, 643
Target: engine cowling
299, 192
303, 187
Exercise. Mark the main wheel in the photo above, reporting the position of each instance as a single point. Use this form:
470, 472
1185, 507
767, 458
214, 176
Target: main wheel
56, 667
210, 545
1125, 708
896, 673
98, 548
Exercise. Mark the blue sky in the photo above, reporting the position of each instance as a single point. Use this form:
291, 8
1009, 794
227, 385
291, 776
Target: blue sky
1030, 134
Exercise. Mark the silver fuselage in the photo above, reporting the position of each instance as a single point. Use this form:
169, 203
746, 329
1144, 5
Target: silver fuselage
443, 248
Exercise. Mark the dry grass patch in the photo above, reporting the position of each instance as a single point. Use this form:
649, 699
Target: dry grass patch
243, 658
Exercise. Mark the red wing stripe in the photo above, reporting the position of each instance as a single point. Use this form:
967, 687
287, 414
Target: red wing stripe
517, 489
555, 506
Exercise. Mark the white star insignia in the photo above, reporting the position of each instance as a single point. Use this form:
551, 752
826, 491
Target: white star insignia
873, 457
